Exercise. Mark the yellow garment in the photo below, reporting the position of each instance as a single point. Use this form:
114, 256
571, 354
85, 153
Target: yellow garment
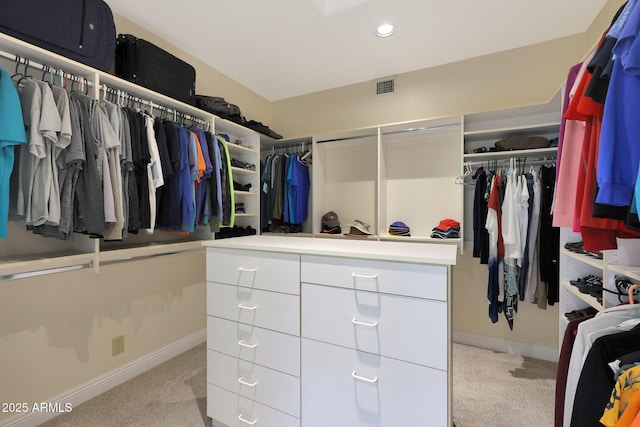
628, 383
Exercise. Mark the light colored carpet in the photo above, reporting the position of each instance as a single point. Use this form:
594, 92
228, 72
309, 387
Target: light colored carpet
490, 389
173, 394
501, 390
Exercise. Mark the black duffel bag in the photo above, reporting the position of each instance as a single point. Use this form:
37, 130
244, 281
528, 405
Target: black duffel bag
221, 108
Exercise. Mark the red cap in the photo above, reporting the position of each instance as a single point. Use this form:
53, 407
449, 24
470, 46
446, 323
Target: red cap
446, 224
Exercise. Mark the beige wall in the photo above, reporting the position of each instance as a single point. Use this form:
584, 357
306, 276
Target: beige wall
470, 310
56, 330
517, 77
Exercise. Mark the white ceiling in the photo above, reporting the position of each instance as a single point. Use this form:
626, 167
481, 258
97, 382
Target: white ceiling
285, 48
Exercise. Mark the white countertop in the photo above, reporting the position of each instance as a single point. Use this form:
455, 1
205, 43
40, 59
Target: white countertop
420, 253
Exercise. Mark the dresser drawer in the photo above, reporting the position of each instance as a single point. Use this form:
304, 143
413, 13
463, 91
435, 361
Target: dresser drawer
254, 269
262, 346
344, 387
404, 328
272, 388
271, 310
237, 411
418, 280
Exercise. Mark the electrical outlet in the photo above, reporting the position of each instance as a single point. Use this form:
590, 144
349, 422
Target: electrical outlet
117, 345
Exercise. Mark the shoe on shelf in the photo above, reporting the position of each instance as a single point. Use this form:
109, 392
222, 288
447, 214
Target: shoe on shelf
574, 247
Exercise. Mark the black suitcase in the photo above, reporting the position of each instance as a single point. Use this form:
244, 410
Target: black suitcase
82, 30
144, 63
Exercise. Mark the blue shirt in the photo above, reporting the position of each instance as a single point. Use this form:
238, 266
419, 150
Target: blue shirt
619, 152
12, 133
300, 184
185, 183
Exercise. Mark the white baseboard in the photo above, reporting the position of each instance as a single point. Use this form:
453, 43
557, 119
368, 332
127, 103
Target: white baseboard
505, 346
103, 383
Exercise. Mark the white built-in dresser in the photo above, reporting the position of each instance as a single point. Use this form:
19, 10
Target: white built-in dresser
322, 332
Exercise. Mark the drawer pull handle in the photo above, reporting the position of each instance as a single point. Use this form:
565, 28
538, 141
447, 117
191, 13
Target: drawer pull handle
251, 423
361, 378
244, 344
243, 382
247, 307
362, 276
358, 322
247, 270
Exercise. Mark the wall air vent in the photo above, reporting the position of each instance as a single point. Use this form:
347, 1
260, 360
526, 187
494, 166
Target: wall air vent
385, 86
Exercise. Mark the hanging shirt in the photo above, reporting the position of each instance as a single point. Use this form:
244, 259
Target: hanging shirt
300, 184
29, 157
169, 213
12, 133
619, 154
567, 187
480, 235
534, 224
61, 98
185, 182
72, 159
89, 215
496, 249
154, 171
114, 149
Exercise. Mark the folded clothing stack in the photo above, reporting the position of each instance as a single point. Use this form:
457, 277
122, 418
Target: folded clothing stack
399, 228
241, 187
235, 231
446, 229
240, 208
242, 165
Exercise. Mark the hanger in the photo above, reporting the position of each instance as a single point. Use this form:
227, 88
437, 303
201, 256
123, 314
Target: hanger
17, 73
630, 293
306, 155
45, 69
466, 172
23, 75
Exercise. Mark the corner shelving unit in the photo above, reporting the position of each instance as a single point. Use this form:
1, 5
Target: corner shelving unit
614, 263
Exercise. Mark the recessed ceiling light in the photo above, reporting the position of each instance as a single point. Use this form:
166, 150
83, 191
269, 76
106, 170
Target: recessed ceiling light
385, 30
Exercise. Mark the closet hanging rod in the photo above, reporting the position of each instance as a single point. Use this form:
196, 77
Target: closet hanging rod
526, 160
346, 138
288, 145
44, 67
423, 128
151, 104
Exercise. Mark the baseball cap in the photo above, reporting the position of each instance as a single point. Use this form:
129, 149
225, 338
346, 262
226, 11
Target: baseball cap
359, 228
446, 224
330, 223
